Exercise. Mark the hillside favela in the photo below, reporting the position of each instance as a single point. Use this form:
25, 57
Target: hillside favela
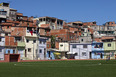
24, 38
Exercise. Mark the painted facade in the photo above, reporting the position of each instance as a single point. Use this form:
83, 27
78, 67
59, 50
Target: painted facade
30, 48
97, 50
31, 44
21, 50
80, 50
110, 49
63, 49
42, 48
50, 55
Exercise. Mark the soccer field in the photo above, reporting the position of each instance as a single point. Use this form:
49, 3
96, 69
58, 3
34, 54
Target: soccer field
88, 68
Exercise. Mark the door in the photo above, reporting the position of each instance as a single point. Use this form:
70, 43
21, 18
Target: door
101, 55
25, 53
90, 55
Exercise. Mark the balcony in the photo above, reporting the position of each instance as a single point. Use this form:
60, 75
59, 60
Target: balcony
97, 47
2, 16
3, 12
31, 34
21, 44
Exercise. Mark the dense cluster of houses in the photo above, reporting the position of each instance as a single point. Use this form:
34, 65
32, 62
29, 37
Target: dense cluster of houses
45, 38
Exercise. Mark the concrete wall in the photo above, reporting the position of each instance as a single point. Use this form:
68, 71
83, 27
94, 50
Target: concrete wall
85, 39
5, 9
63, 46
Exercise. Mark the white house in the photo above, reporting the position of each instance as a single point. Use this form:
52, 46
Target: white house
80, 50
63, 49
31, 44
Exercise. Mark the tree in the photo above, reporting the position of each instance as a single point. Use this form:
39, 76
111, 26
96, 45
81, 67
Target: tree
53, 38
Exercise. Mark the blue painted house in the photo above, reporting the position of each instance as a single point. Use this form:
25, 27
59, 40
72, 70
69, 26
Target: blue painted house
50, 55
42, 48
97, 50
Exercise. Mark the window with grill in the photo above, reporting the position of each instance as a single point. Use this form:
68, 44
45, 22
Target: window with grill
84, 46
83, 53
73, 46
109, 45
29, 49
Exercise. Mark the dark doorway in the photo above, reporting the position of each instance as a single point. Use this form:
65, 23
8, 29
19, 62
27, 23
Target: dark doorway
25, 53
90, 55
101, 55
72, 56
14, 58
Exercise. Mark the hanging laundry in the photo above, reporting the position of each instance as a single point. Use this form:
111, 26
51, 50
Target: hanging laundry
31, 32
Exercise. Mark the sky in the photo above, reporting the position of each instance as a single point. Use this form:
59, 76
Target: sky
100, 11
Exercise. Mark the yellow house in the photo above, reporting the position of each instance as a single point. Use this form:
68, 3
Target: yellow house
110, 49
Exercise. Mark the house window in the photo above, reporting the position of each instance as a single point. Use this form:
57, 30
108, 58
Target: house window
7, 26
61, 45
83, 53
81, 39
73, 46
44, 42
40, 42
52, 27
27, 40
13, 51
17, 38
83, 34
0, 39
3, 21
34, 41
29, 49
8, 51
40, 51
6, 34
84, 46
0, 50
109, 45
95, 53
76, 54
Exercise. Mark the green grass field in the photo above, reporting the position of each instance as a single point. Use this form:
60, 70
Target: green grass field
90, 68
